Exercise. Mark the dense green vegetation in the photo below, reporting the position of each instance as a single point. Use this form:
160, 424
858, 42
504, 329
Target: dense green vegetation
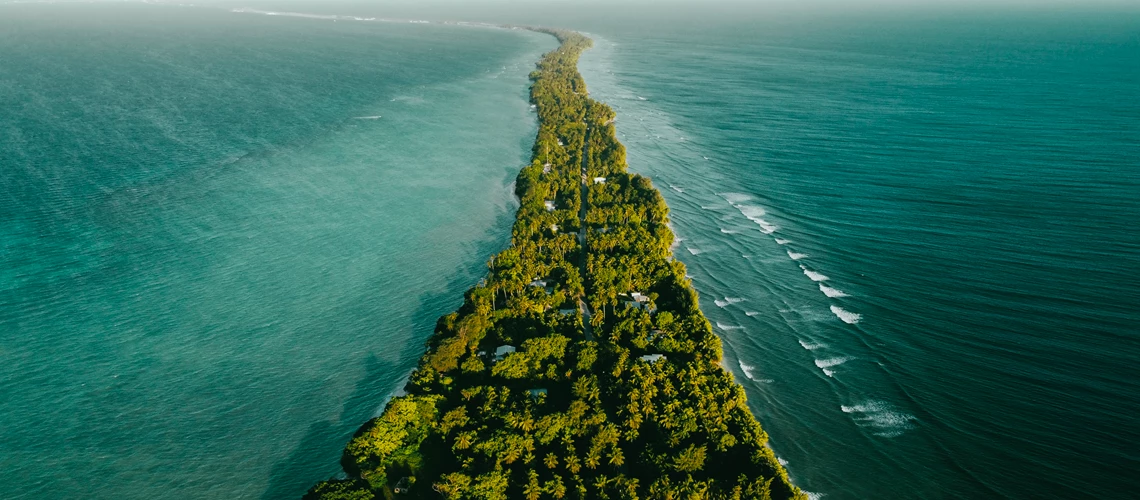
572, 410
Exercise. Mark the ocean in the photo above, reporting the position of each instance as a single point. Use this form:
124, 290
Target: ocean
225, 235
915, 232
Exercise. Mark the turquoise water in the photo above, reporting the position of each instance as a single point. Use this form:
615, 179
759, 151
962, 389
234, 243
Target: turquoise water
915, 232
215, 264
224, 237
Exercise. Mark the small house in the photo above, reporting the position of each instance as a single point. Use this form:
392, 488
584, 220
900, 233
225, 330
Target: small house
546, 168
638, 301
554, 228
535, 393
549, 205
567, 312
655, 334
652, 358
502, 351
543, 284
599, 180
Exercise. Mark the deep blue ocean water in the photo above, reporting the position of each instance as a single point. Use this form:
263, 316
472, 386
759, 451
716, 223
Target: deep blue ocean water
915, 230
916, 233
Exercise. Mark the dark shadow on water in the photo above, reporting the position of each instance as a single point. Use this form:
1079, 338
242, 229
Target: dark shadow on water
317, 456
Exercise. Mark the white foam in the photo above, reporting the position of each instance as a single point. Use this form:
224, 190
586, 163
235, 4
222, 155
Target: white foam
767, 227
812, 495
831, 292
781, 241
723, 326
796, 256
830, 362
677, 189
848, 317
747, 369
814, 276
735, 198
827, 364
377, 117
782, 461
728, 231
753, 212
880, 416
640, 98
751, 313
811, 346
727, 301
694, 251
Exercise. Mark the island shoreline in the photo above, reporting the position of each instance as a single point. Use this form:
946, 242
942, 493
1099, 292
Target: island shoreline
645, 399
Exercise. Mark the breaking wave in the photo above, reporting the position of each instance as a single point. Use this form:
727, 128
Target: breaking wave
831, 292
847, 316
826, 364
735, 198
811, 346
727, 301
814, 276
747, 369
882, 418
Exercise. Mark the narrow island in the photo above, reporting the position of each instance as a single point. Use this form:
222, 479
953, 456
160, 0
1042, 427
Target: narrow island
581, 367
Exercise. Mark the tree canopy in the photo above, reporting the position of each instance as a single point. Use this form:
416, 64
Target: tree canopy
518, 397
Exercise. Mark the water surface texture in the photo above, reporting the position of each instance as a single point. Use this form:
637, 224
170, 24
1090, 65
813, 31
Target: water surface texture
916, 233
224, 237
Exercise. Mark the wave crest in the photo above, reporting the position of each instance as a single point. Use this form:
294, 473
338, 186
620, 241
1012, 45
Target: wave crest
884, 419
814, 276
831, 292
847, 316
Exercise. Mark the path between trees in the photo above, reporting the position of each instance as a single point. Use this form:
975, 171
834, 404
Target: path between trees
587, 317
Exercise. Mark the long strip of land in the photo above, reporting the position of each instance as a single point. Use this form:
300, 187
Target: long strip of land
582, 367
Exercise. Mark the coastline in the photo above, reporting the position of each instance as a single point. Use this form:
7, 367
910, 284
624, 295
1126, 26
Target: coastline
515, 397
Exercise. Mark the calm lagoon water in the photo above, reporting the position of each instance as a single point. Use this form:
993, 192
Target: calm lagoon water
224, 237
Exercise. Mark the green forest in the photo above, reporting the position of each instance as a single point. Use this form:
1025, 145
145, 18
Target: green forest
581, 366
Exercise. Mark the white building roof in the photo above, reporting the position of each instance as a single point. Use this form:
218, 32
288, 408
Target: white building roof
652, 358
